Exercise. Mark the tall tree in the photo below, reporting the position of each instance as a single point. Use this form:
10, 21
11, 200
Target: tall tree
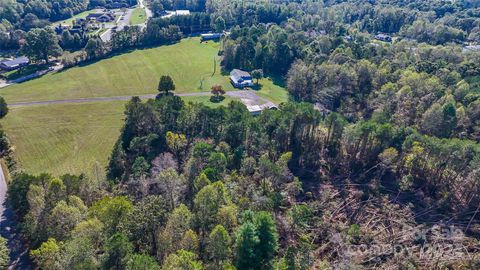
117, 250
166, 84
41, 44
219, 24
3, 108
246, 243
257, 74
268, 239
48, 255
218, 246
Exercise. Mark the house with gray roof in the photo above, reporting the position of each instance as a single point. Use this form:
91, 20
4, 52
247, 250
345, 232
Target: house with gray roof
13, 64
241, 79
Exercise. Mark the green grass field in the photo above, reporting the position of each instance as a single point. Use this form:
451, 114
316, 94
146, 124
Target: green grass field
138, 16
190, 63
73, 137
64, 138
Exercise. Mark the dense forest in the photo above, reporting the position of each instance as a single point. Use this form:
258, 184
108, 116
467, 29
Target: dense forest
373, 164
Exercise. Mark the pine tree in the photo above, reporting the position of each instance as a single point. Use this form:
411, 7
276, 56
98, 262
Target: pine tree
247, 241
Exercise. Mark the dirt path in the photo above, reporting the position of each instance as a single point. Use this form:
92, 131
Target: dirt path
248, 97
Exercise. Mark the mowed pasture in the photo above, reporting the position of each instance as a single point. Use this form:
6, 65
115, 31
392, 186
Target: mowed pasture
64, 138
190, 63
78, 137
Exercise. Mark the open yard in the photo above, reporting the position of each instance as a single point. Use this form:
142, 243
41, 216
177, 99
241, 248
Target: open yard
64, 138
138, 16
190, 63
73, 137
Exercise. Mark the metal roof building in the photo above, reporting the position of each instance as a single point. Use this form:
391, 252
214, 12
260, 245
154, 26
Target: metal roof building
14, 63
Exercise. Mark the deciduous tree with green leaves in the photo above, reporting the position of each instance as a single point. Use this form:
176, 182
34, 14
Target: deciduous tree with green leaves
41, 44
166, 85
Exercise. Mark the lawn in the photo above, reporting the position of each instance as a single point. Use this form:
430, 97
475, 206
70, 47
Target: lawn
273, 92
138, 16
189, 62
64, 138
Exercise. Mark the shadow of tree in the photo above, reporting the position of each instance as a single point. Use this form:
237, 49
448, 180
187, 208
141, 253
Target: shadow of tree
217, 99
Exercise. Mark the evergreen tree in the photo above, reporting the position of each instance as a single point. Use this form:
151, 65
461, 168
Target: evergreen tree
117, 250
268, 239
247, 242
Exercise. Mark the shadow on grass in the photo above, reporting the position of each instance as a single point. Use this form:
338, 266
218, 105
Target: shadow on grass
257, 87
277, 80
217, 99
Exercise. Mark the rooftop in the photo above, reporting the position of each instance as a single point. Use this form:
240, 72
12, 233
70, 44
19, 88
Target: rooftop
239, 73
182, 12
259, 108
15, 62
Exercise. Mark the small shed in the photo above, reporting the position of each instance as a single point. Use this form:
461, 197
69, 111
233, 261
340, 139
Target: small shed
257, 109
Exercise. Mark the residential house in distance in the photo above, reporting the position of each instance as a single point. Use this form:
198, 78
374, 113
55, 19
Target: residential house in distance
101, 17
80, 20
383, 37
13, 64
60, 28
240, 78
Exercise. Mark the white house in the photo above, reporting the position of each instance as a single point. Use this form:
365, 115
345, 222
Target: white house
240, 78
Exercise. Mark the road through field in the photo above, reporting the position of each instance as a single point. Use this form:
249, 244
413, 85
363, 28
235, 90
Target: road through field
248, 97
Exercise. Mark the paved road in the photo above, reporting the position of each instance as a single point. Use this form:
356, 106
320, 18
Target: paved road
248, 97
147, 10
55, 68
123, 20
18, 250
121, 23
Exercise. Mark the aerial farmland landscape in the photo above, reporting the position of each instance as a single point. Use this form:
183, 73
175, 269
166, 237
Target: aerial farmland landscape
233, 134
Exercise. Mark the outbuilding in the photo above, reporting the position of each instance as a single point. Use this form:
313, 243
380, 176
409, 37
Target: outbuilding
257, 109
